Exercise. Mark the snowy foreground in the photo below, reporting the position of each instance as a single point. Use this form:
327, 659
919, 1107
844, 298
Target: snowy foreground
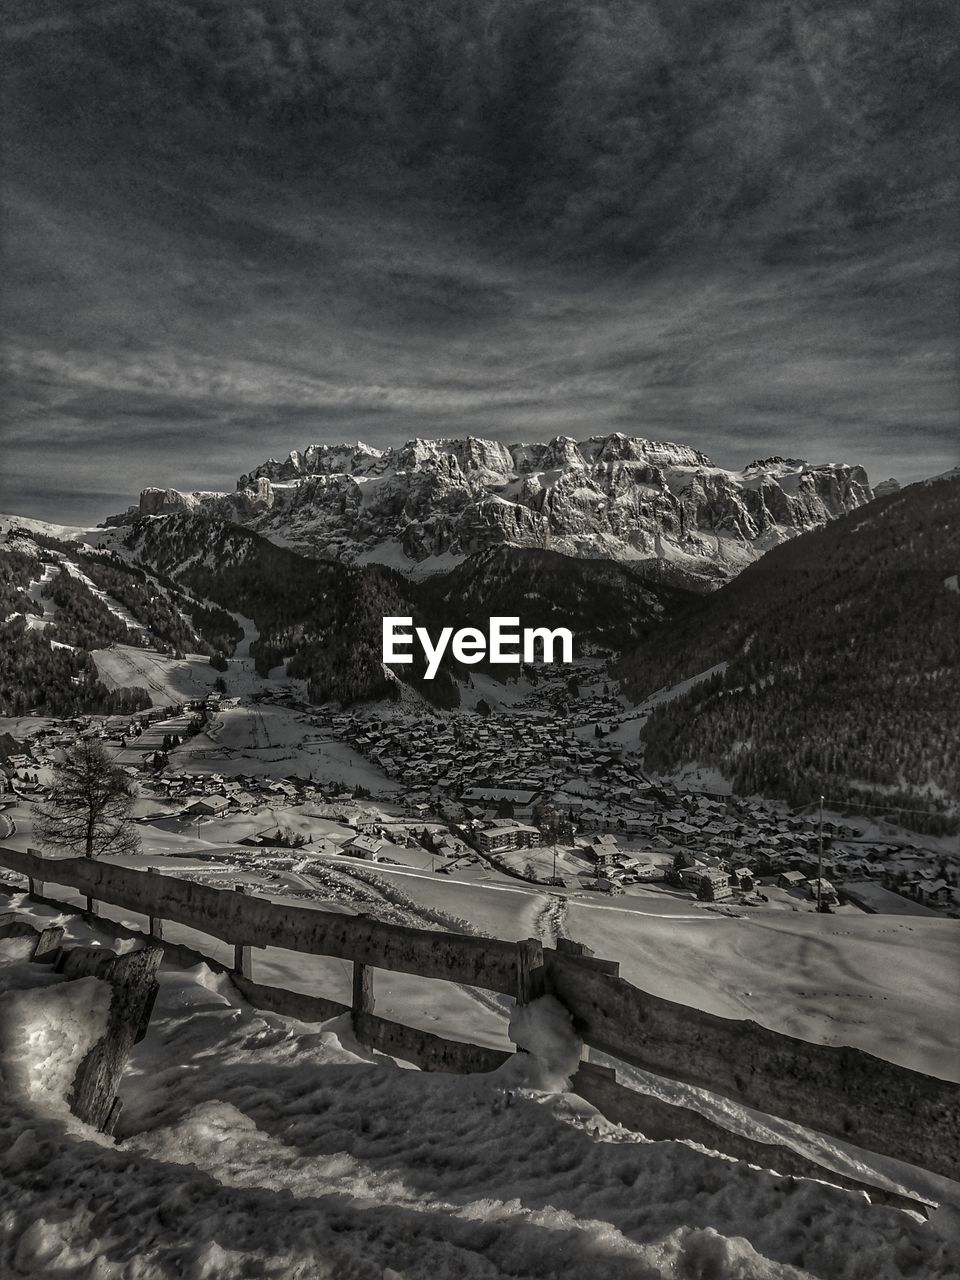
254, 1146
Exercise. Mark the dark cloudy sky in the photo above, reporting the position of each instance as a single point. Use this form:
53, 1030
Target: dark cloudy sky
231, 230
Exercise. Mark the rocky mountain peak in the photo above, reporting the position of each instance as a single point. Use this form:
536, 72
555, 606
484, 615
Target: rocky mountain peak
620, 448
425, 505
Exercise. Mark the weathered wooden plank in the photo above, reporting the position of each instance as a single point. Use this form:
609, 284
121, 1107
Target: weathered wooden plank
844, 1092
362, 991
155, 923
530, 971
489, 963
664, 1122
177, 953
241, 950
146, 1013
425, 1050
567, 947
113, 1115
48, 944
241, 960
291, 1004
132, 978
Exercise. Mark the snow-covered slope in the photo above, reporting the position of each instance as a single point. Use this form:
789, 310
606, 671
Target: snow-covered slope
423, 505
252, 1145
9, 525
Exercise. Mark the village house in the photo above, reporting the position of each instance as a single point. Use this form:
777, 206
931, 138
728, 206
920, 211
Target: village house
827, 892
207, 807
513, 835
679, 833
364, 847
522, 801
790, 879
711, 883
934, 893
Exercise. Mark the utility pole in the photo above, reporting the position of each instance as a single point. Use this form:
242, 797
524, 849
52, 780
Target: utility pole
820, 859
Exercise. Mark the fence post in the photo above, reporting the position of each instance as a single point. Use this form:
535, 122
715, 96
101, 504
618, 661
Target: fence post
241, 952
362, 992
133, 978
531, 975
156, 922
34, 887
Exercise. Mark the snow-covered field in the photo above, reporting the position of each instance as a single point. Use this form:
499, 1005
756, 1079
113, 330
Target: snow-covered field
35, 592
166, 680
883, 983
255, 737
66, 532
255, 1146
169, 679
276, 741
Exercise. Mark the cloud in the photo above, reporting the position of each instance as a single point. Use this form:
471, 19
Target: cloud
230, 230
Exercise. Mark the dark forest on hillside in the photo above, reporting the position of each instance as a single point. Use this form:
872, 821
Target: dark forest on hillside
843, 666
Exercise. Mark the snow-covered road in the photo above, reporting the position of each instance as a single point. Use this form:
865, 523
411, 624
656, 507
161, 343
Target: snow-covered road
591, 901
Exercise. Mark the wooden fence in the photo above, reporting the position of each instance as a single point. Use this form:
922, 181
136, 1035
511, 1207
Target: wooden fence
843, 1092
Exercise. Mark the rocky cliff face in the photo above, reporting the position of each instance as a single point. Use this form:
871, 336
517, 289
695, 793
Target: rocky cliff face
424, 505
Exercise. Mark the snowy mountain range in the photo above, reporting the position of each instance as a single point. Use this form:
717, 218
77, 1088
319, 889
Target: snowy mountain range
426, 505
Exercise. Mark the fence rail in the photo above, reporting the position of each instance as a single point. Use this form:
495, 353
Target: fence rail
246, 920
843, 1092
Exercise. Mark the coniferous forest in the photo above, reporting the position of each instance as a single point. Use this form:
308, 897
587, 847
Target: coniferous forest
185, 625
321, 619
838, 666
40, 669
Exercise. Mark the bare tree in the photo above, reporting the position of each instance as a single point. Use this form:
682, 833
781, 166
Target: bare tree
87, 810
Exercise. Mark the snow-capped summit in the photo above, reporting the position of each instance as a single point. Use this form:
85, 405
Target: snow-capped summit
423, 505
621, 448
